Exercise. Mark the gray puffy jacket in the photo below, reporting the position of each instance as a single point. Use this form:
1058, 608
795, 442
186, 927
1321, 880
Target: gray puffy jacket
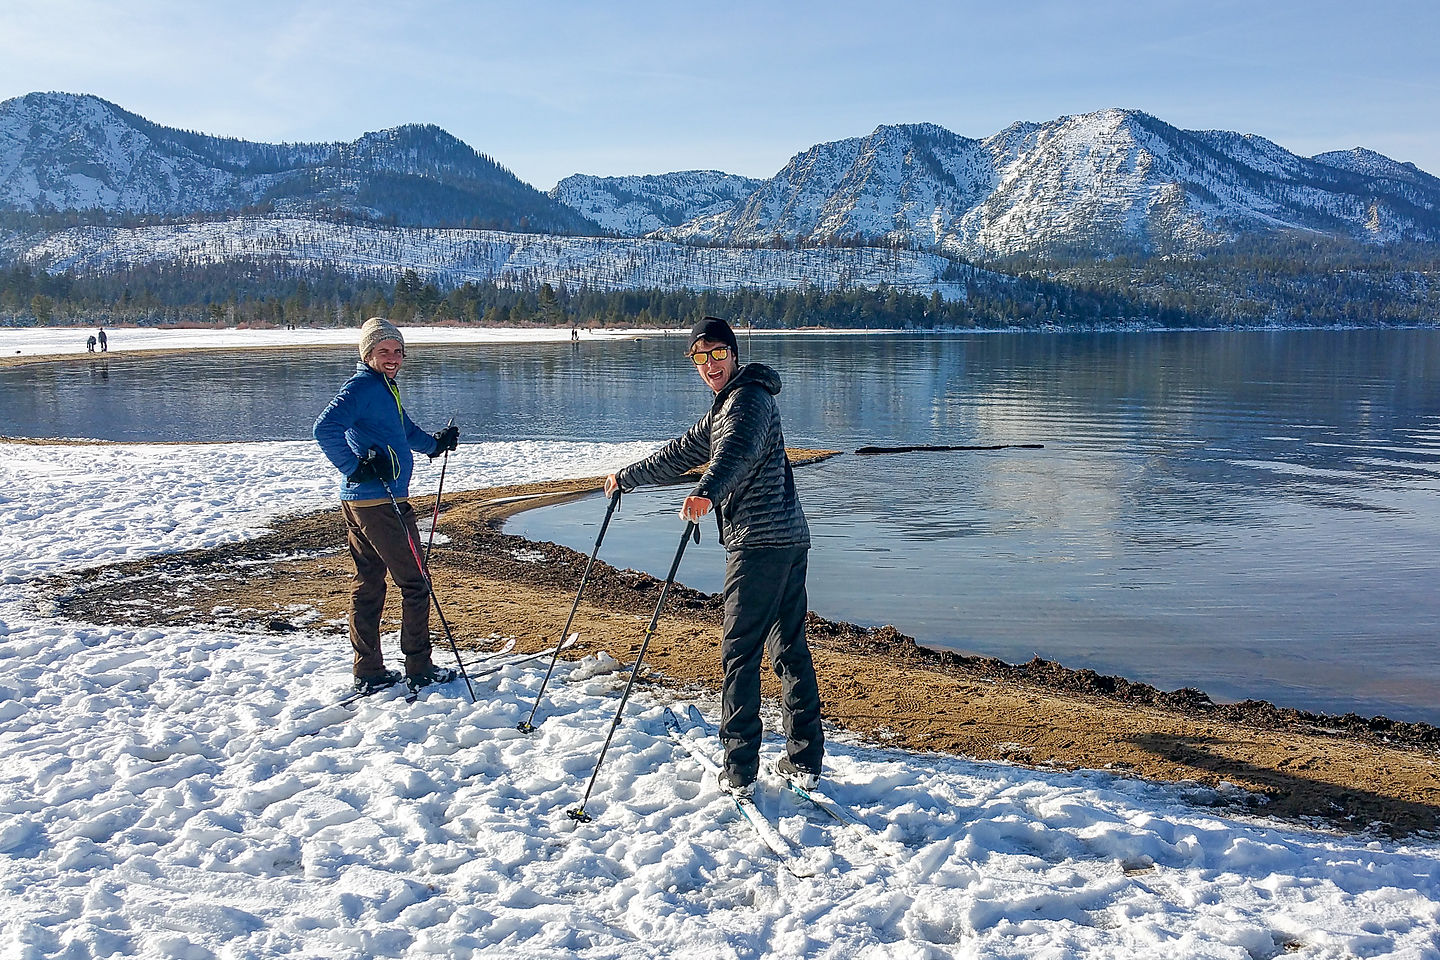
748, 477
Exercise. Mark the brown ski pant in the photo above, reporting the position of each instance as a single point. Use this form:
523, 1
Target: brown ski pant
380, 543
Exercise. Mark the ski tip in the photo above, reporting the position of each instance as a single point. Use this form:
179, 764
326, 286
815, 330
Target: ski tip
680, 722
570, 641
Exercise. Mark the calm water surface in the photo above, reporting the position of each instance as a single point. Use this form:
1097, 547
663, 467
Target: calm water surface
1254, 514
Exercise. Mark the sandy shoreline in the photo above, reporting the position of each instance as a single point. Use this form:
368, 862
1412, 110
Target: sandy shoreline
1350, 773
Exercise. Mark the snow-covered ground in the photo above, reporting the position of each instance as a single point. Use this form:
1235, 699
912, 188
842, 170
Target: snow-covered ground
187, 793
55, 341
59, 341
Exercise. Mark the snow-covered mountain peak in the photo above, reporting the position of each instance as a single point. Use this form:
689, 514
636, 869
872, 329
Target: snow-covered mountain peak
1107, 180
77, 152
1115, 178
1371, 164
635, 206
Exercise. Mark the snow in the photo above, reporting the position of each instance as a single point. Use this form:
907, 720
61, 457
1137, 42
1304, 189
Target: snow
188, 792
62, 341
632, 206
1087, 179
57, 341
1082, 179
451, 257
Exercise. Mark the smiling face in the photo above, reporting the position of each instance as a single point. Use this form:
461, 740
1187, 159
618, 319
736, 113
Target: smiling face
386, 358
715, 373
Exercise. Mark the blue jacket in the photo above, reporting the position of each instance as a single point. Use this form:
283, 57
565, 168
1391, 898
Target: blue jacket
367, 415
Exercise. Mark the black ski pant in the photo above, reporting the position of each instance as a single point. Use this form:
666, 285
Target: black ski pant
379, 542
765, 606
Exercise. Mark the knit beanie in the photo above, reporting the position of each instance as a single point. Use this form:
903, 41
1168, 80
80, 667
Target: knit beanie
373, 331
716, 331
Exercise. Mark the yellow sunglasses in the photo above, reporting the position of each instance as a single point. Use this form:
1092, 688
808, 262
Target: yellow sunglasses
700, 357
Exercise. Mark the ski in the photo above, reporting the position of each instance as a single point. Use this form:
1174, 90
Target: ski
349, 702
355, 696
856, 827
412, 692
762, 826
505, 648
570, 641
412, 689
522, 658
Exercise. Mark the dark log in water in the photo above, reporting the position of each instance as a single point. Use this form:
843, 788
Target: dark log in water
927, 449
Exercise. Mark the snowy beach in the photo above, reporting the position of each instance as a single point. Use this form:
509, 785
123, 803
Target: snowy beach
25, 344
187, 792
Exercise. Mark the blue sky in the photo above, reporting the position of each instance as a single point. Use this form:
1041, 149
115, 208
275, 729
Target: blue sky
550, 89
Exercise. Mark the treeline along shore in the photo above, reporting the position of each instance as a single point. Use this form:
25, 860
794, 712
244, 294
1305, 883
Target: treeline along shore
1292, 280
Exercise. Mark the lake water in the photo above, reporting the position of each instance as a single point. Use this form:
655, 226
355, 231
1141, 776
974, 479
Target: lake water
1255, 514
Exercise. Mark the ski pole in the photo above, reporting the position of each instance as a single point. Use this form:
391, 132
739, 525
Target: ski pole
429, 587
528, 725
435, 517
579, 814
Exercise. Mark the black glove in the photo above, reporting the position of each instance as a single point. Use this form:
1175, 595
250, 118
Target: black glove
375, 465
446, 440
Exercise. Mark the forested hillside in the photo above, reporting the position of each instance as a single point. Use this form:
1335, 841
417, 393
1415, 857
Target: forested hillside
1299, 283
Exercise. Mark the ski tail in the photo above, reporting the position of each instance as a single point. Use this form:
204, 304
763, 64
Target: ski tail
856, 827
764, 830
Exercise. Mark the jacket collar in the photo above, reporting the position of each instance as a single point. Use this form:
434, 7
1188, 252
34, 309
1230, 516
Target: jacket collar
751, 373
362, 368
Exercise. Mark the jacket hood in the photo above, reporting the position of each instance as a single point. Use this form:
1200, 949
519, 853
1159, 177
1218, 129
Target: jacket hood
756, 373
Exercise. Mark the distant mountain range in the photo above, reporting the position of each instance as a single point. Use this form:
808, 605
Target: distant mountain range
68, 153
1114, 181
636, 206
1099, 183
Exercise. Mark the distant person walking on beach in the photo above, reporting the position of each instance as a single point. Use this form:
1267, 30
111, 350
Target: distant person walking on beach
90, 343
104, 343
367, 435
767, 544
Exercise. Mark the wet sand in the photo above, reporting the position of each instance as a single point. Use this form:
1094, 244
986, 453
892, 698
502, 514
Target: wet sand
1348, 773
